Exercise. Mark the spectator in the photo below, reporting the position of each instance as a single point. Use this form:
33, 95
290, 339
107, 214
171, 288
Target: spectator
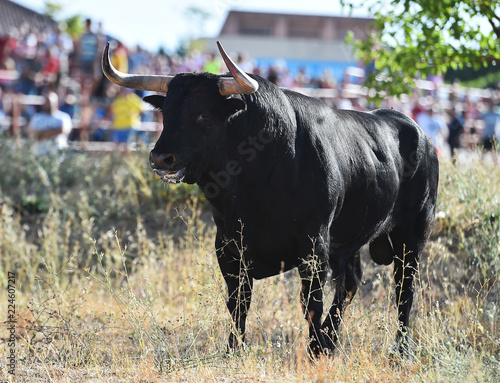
491, 131
433, 125
30, 73
69, 103
417, 107
212, 64
27, 43
119, 59
138, 60
272, 75
194, 62
455, 129
65, 47
25, 52
51, 123
244, 63
302, 79
126, 110
8, 43
285, 79
2, 113
327, 80
88, 59
51, 67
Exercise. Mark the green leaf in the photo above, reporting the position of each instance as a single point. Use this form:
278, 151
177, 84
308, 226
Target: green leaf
426, 37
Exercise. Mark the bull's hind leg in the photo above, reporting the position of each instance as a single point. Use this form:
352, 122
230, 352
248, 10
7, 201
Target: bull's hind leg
408, 245
347, 275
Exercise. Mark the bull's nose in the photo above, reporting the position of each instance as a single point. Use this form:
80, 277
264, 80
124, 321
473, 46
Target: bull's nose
162, 161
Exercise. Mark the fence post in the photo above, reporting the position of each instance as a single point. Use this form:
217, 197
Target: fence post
16, 115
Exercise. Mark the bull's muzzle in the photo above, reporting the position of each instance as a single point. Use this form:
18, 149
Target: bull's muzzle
165, 167
162, 161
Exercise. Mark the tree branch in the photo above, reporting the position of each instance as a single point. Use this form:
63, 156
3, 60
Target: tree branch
490, 14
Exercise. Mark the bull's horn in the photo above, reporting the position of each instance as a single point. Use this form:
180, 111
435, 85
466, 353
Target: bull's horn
240, 83
133, 81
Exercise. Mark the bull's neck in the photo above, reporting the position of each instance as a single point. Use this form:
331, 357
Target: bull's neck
217, 182
249, 149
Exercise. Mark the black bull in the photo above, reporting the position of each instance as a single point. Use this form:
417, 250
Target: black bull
294, 183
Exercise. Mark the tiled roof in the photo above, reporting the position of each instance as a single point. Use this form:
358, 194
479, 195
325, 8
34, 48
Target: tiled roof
13, 15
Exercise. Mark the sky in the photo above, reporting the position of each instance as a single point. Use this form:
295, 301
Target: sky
157, 23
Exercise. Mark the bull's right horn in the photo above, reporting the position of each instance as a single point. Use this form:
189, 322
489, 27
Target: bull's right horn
240, 82
156, 83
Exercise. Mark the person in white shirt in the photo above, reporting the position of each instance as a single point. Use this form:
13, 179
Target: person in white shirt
491, 131
433, 124
51, 123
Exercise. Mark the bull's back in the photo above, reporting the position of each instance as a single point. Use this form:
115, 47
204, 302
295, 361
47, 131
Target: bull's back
414, 145
388, 164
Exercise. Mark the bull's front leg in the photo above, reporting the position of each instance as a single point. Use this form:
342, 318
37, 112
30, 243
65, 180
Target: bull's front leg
239, 287
238, 304
312, 274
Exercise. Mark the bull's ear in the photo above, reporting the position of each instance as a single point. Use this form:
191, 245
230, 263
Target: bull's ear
155, 100
233, 105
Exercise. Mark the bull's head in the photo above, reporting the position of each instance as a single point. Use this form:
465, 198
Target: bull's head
195, 112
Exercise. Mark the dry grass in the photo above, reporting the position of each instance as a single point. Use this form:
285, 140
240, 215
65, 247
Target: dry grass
117, 281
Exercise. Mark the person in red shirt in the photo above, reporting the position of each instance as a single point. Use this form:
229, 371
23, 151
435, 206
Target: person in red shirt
52, 66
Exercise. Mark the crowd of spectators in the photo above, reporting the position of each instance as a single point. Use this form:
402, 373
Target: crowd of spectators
78, 102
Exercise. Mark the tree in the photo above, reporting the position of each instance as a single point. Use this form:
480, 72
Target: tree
418, 38
198, 18
74, 24
52, 8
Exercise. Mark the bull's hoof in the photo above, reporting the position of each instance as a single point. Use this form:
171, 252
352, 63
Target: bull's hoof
330, 338
235, 343
318, 349
402, 349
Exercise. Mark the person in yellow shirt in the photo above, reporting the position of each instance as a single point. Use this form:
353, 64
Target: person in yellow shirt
120, 57
212, 64
126, 110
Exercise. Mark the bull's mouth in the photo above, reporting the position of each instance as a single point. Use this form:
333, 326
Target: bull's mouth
174, 177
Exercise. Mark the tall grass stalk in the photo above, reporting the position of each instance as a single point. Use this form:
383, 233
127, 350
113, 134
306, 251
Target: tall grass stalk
117, 280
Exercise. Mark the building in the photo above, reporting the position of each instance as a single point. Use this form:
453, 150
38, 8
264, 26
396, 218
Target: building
12, 15
298, 41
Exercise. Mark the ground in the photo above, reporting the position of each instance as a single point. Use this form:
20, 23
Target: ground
116, 280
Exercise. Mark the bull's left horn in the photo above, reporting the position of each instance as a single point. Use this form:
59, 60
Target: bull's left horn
156, 83
240, 83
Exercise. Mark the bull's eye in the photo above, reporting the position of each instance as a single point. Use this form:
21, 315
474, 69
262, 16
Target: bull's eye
204, 117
